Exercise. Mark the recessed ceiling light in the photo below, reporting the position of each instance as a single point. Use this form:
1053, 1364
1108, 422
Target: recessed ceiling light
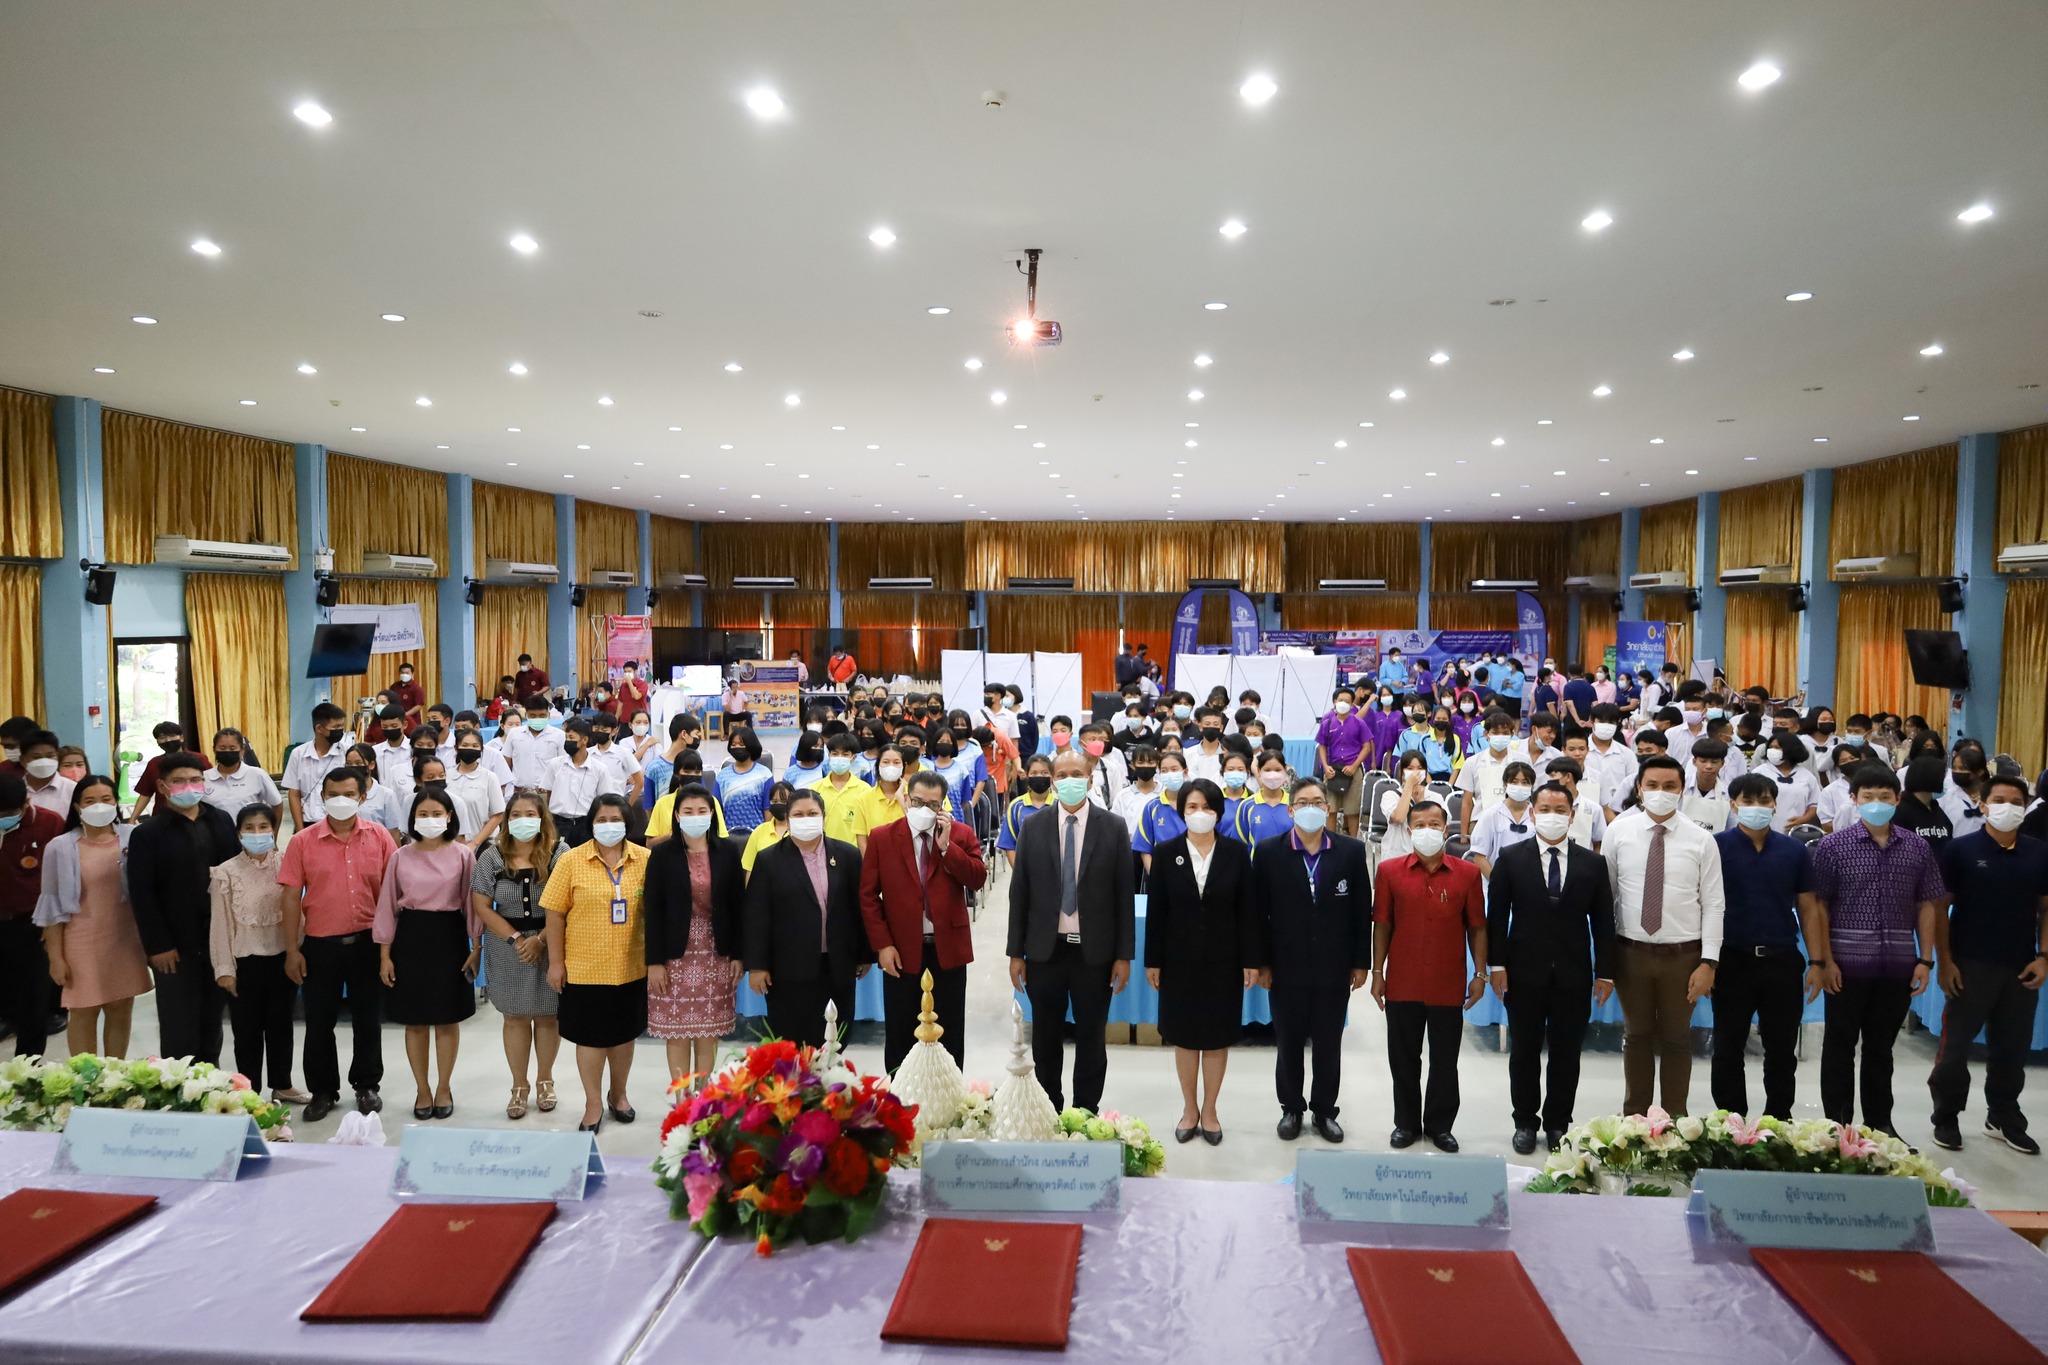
517, 367
1188, 444
874, 447
1020, 427
764, 102
1365, 424
392, 317
1602, 391
206, 247
1439, 358
440, 447
1603, 493
1682, 354
790, 400
423, 402
1799, 296
1216, 307
523, 244
938, 310
1490, 495
583, 447
604, 401
1500, 440
568, 476
1911, 417
1976, 213
1341, 445
1233, 229
1932, 348
732, 367
999, 398
307, 369
1038, 445
1543, 422
1694, 472
1203, 360
675, 428
726, 447
881, 236
1758, 76
247, 402
1195, 395
358, 428
512, 429
1258, 88
102, 369
144, 319
1656, 440
1558, 472
1597, 220
973, 363
1397, 393
312, 115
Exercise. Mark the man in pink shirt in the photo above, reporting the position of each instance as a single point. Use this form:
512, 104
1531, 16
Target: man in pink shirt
337, 865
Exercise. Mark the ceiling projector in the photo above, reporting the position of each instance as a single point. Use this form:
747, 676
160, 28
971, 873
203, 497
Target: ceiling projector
1031, 330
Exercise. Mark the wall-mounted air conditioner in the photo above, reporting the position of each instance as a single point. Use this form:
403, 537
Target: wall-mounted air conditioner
516, 571
1040, 584
400, 566
684, 580
1758, 573
220, 554
1593, 582
613, 578
2023, 559
1650, 582
1879, 566
1505, 585
1351, 585
770, 581
900, 584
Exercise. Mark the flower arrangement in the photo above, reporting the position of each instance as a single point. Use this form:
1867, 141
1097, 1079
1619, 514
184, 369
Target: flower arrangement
38, 1096
1655, 1153
781, 1142
1143, 1153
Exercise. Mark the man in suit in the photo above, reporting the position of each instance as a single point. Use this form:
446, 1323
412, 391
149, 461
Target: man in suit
1072, 920
914, 880
1550, 927
1313, 894
801, 935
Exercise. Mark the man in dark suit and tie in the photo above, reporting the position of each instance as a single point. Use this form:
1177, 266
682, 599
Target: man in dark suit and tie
1073, 929
1550, 931
801, 933
914, 880
1313, 894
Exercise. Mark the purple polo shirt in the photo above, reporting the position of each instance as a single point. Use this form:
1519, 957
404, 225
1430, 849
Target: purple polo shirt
1343, 737
1873, 897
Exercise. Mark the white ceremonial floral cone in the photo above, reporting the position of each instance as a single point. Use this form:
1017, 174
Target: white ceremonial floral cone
828, 1055
1022, 1111
929, 1077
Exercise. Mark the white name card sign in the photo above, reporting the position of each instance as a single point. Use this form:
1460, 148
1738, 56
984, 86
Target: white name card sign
167, 1146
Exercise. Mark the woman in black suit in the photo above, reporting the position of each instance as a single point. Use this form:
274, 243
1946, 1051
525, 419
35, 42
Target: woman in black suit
780, 928
1200, 934
695, 891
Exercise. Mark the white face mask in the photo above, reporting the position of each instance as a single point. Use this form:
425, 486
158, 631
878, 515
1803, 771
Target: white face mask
1660, 803
1201, 822
889, 772
1272, 779
1552, 827
1518, 793
640, 727
1774, 756
1603, 730
430, 826
341, 808
1343, 708
609, 832
1428, 842
804, 828
2003, 816
98, 815
921, 819
42, 769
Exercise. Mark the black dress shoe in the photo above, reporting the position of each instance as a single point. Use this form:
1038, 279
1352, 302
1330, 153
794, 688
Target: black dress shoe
1444, 1142
1401, 1137
1328, 1129
1290, 1125
318, 1108
369, 1101
1213, 1136
423, 1112
1555, 1137
1186, 1134
1525, 1140
591, 1127
442, 1111
619, 1115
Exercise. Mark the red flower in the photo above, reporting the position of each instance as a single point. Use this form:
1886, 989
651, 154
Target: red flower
846, 1168
783, 1198
901, 1121
745, 1166
676, 1115
762, 1058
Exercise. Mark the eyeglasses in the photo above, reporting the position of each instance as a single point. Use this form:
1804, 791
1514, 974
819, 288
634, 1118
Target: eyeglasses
1315, 801
936, 803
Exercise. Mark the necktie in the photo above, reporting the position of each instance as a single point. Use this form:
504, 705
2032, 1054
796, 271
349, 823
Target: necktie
1070, 881
1556, 876
924, 844
1653, 883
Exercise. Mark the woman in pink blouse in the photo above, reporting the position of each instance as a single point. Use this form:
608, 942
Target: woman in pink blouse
428, 934
246, 942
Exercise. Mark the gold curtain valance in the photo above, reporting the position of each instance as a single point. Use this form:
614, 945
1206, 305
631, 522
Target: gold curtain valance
808, 610
516, 524
606, 538
1126, 556
1669, 538
732, 608
1472, 611
2023, 487
392, 509
1596, 547
168, 479
1317, 550
31, 512
1022, 623
675, 547
1905, 505
1348, 611
767, 550
1462, 551
869, 549
1760, 527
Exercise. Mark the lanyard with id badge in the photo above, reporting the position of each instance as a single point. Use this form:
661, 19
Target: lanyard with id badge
618, 894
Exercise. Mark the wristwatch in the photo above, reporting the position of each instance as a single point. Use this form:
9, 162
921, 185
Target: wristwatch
1923, 962
1713, 962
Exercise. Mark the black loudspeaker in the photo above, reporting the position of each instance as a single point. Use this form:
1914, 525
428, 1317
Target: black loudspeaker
1692, 599
1950, 591
1795, 598
473, 592
653, 598
327, 592
1620, 603
99, 585
576, 595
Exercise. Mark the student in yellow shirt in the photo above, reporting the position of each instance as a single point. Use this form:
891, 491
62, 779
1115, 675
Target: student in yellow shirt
771, 831
885, 797
661, 821
846, 796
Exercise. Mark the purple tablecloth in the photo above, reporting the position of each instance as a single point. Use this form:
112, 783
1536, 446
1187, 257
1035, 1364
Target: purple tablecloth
1219, 1271
221, 1271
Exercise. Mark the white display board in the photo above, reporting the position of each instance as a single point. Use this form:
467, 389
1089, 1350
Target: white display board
1056, 684
399, 630
960, 679
1305, 687
1197, 673
1008, 669
1261, 674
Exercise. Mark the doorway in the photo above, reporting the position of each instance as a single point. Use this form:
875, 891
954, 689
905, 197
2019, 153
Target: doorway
152, 684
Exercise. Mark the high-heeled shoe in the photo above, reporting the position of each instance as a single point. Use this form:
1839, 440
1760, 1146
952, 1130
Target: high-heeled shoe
442, 1111
544, 1096
591, 1127
621, 1115
515, 1108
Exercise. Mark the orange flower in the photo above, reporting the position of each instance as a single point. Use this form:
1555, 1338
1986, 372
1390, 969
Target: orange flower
763, 1246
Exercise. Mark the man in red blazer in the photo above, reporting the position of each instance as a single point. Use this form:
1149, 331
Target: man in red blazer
914, 882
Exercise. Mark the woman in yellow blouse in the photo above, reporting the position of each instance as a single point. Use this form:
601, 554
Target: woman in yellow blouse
771, 831
597, 956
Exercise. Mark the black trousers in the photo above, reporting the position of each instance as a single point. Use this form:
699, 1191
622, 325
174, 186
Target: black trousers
1308, 1013
1409, 1024
1552, 1013
189, 1007
1064, 980
796, 1009
1770, 989
261, 1012
903, 1001
1869, 1011
347, 962
1993, 1001
573, 830
25, 986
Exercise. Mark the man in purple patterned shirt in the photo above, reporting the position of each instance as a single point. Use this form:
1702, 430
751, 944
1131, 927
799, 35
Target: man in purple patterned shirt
1343, 748
1877, 892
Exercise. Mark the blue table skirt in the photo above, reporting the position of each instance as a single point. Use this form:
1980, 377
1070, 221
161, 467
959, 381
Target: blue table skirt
1138, 1003
1929, 1004
867, 998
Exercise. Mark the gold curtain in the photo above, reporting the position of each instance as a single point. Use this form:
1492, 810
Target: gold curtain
1020, 623
2023, 488
871, 549
1471, 611
512, 523
598, 603
673, 610
1253, 552
799, 620
880, 624
1595, 548
1760, 527
675, 548
426, 662
393, 509
21, 624
1871, 672
31, 516
241, 660
1905, 505
1348, 610
767, 549
1669, 538
1148, 620
165, 478
1669, 607
732, 608
606, 538
1462, 551
510, 621
1126, 556
1763, 639
1596, 624
1372, 549
2022, 702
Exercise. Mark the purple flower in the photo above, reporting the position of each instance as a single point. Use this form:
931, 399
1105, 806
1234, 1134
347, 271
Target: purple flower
700, 1161
800, 1159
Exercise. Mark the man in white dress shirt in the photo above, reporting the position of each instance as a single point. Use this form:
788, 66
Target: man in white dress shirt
1610, 763
1668, 906
530, 746
307, 768
1706, 801
1506, 822
574, 781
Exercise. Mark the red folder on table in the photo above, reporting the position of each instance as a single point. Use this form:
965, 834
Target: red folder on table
433, 1262
1455, 1307
1893, 1308
987, 1284
39, 1228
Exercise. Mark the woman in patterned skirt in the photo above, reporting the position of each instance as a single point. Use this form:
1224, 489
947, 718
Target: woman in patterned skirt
511, 872
694, 891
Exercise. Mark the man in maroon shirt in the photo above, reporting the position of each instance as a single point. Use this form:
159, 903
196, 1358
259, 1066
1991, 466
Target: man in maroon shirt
25, 833
529, 681
410, 697
1428, 910
170, 737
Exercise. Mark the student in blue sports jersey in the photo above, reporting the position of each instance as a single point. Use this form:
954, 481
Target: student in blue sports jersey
1237, 785
1266, 813
1159, 819
1037, 796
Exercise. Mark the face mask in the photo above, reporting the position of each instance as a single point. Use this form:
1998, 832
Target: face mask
1427, 842
694, 826
1467, 707
1144, 772
466, 757
1234, 780
778, 810
394, 736
839, 763
42, 769
944, 753
430, 826
1172, 779
1342, 708
1442, 724
1660, 804
9, 823
1272, 779
738, 755
1774, 756
2004, 816
889, 772
1072, 790
523, 827
255, 845
99, 815
536, 723
611, 832
1094, 748
815, 729
1038, 784
1603, 730
805, 828
1553, 827
1183, 712
1201, 822
185, 798
1754, 817
1853, 741
1877, 812
342, 808
1310, 819
1499, 743
1695, 719
921, 819
1518, 793
1061, 739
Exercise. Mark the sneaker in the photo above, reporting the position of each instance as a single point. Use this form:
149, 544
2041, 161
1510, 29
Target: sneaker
1948, 1136
291, 1095
2014, 1135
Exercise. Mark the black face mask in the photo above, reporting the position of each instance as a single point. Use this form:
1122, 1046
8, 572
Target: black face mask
227, 759
779, 810
1143, 772
173, 746
1038, 783
394, 736
1211, 733
569, 748
334, 734
738, 755
1824, 729
944, 751
468, 756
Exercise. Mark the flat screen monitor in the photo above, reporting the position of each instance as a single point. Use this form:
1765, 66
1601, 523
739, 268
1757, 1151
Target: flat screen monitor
1938, 659
341, 651
701, 680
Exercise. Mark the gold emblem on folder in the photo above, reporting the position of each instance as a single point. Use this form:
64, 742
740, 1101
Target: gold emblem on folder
42, 1213
459, 1224
1867, 1276
995, 1243
1442, 1276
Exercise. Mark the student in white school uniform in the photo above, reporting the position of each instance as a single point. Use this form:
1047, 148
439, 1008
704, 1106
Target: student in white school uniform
233, 783
1610, 762
1589, 820
1798, 794
1508, 823
575, 781
1706, 802
393, 751
618, 757
380, 803
530, 744
307, 768
478, 796
1540, 749
493, 760
1481, 775
1837, 805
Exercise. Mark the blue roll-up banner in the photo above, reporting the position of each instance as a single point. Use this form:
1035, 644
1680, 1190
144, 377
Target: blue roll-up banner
1187, 623
1639, 645
1244, 624
1532, 628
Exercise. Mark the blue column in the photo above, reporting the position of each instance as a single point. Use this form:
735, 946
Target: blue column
1710, 622
832, 617
1981, 622
458, 618
1817, 629
1631, 547
561, 616
302, 611
1422, 594
636, 596
75, 652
